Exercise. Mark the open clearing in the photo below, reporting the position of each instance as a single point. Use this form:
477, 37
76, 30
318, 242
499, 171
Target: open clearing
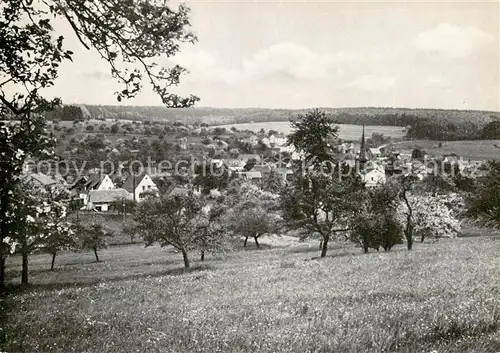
443, 296
346, 131
475, 150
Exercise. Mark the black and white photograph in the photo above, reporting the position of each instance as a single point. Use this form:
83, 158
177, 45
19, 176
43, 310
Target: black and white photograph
249, 176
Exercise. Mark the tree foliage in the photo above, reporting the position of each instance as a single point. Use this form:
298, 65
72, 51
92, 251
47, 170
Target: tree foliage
92, 236
19, 143
484, 205
321, 203
430, 215
132, 36
180, 221
314, 134
254, 213
375, 225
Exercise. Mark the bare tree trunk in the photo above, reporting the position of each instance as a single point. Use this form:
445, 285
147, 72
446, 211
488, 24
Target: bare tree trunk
3, 234
95, 253
53, 261
24, 272
202, 257
320, 244
325, 245
245, 243
2, 271
186, 259
408, 233
408, 230
256, 242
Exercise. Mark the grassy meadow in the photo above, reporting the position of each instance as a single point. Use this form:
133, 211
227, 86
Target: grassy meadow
475, 150
441, 297
346, 131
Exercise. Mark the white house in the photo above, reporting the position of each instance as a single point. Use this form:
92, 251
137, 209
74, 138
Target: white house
252, 140
373, 177
374, 153
83, 185
139, 185
266, 141
251, 175
99, 182
277, 140
286, 149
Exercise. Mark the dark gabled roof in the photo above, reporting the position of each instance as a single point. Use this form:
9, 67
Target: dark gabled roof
128, 184
42, 179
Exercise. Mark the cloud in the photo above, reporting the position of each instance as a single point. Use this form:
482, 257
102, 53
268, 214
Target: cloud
452, 41
373, 83
436, 82
98, 75
283, 62
206, 67
294, 60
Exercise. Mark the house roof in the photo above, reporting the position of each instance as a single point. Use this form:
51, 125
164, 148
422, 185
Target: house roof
128, 184
246, 157
262, 169
93, 181
177, 191
374, 150
231, 162
96, 196
252, 174
42, 179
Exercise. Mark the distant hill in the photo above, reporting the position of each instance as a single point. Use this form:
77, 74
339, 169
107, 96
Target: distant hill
216, 116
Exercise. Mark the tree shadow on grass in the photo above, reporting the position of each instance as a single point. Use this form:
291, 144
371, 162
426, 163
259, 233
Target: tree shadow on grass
38, 287
354, 252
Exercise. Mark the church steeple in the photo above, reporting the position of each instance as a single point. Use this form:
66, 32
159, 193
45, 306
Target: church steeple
362, 151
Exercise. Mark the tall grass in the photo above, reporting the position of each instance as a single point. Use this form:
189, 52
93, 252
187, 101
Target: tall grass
442, 297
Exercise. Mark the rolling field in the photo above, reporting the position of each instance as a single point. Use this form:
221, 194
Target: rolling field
346, 131
442, 297
481, 149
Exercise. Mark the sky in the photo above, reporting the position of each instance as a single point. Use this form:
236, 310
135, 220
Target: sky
289, 54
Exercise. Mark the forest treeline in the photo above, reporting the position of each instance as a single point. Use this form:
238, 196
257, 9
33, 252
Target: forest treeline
433, 124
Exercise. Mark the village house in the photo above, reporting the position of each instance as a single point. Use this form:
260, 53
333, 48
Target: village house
373, 176
252, 140
139, 186
251, 175
179, 191
284, 173
276, 140
101, 200
262, 168
94, 182
234, 164
246, 157
373, 153
42, 179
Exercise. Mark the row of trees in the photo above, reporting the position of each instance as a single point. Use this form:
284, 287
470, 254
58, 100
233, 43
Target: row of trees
444, 130
320, 201
38, 222
130, 36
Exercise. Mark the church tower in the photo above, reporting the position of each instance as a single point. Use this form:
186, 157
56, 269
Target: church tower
362, 150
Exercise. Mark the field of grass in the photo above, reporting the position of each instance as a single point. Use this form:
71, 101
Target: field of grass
442, 297
476, 150
346, 131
